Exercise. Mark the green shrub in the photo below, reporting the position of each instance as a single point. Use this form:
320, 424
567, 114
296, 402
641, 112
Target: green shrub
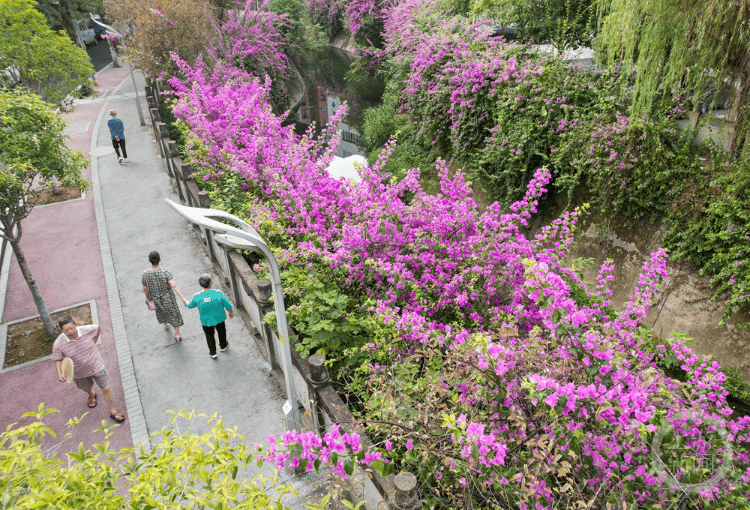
329, 320
183, 470
710, 226
628, 167
383, 123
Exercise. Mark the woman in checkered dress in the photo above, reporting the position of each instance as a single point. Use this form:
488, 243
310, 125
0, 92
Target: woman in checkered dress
158, 285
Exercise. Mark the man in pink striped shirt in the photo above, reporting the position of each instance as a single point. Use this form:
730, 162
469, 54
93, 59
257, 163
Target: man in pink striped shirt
79, 344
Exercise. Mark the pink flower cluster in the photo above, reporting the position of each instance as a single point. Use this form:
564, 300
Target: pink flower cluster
251, 40
307, 450
355, 13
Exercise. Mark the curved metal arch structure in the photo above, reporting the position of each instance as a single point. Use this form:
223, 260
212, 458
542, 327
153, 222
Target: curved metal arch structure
247, 238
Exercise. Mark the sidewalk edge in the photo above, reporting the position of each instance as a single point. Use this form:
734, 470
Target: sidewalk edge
138, 429
4, 273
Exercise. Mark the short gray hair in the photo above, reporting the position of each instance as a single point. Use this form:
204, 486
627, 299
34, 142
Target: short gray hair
205, 280
66, 320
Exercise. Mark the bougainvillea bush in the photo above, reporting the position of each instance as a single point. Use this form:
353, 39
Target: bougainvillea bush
363, 19
483, 365
501, 111
498, 108
574, 413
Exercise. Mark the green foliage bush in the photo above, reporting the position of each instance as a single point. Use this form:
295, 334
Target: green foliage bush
183, 470
528, 120
327, 318
383, 123
629, 167
710, 226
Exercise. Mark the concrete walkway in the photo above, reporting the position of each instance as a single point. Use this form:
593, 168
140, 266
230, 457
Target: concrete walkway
124, 217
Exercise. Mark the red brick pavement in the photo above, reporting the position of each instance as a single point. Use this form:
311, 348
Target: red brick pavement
61, 244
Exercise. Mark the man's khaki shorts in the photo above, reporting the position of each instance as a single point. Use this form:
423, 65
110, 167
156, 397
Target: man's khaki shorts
101, 379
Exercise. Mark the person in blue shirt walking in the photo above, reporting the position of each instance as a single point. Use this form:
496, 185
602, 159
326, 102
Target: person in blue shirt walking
211, 304
117, 130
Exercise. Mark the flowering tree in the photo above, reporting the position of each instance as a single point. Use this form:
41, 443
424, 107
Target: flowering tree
157, 28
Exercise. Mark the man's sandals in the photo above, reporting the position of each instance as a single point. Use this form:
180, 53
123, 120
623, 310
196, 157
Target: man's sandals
118, 416
92, 400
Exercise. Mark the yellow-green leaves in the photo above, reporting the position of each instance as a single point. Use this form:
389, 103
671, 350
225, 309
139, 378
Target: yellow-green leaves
183, 470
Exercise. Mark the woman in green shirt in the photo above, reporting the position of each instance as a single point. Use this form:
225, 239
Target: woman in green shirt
211, 304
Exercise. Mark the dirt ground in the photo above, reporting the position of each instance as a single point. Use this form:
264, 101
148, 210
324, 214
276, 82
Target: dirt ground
46, 196
26, 340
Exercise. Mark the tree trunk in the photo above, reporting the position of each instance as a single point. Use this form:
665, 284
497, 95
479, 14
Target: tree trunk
49, 326
738, 115
55, 186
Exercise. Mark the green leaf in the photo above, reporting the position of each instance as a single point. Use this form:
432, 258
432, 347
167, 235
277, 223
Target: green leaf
389, 469
379, 467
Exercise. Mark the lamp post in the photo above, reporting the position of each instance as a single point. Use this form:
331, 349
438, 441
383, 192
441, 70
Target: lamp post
247, 238
112, 31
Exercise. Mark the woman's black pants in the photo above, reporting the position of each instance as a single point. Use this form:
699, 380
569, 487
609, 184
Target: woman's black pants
209, 331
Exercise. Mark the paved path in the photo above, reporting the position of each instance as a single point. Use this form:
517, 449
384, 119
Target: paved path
97, 248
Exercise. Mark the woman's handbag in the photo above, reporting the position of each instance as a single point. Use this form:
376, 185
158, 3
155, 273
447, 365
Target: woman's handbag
150, 302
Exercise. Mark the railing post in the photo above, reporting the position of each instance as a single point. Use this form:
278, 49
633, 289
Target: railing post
234, 281
406, 497
183, 173
174, 151
155, 118
162, 131
265, 291
318, 377
204, 201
